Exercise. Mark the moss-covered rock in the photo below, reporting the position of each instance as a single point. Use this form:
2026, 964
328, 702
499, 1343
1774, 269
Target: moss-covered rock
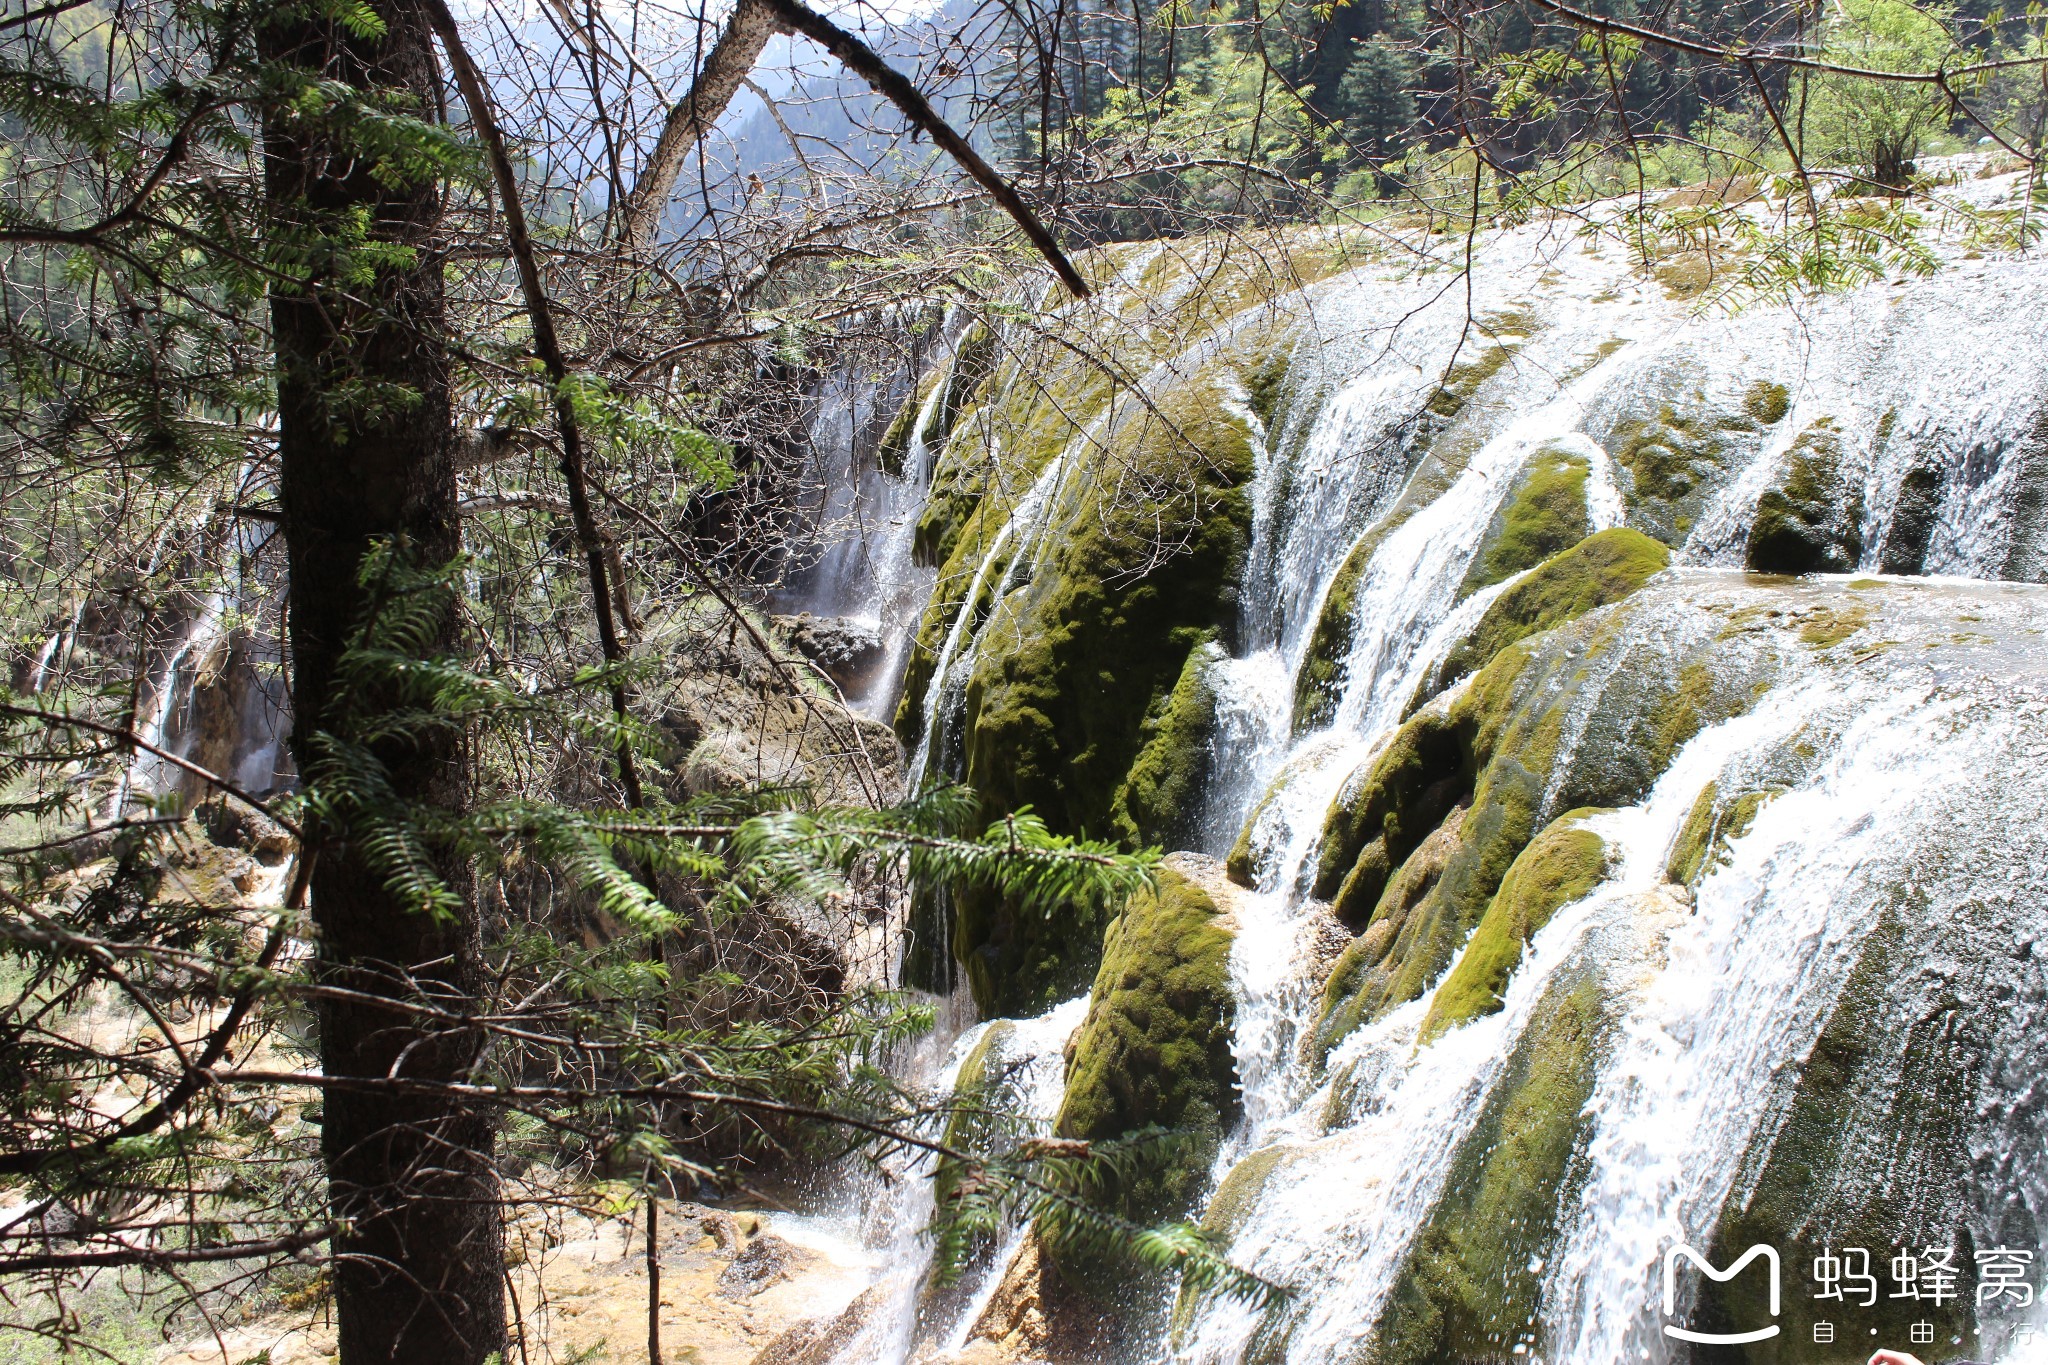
1500, 337
978, 1108
1767, 402
1076, 661
1903, 550
1545, 514
1154, 1051
1559, 866
966, 585
1472, 1279
1589, 714
1481, 748
1874, 1147
1812, 521
1669, 461
1160, 801
1436, 447
1322, 664
1423, 773
1713, 823
1598, 570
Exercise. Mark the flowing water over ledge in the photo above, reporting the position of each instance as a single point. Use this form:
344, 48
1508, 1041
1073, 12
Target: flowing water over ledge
1871, 873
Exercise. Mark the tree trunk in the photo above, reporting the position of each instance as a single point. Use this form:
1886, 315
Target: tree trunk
366, 452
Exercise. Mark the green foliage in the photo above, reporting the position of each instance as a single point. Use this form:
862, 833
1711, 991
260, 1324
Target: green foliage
1377, 99
1878, 124
1063, 1189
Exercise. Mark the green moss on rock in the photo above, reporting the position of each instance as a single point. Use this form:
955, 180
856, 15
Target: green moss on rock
1545, 514
1154, 1051
1160, 800
1711, 825
1075, 662
1873, 1145
1767, 402
1559, 866
1439, 446
1330, 642
1812, 521
1472, 1280
1484, 744
1598, 570
1464, 378
1589, 714
1424, 772
1670, 461
961, 576
956, 383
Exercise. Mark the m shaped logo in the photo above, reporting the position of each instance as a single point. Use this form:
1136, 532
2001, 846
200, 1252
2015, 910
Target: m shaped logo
1768, 1254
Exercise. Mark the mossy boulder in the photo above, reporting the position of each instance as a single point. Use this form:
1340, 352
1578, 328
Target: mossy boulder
1160, 801
1559, 866
1008, 427
1544, 515
1322, 665
1767, 402
1428, 455
1598, 570
1154, 1051
1903, 550
1670, 461
948, 390
1075, 705
1586, 715
967, 585
1714, 822
979, 1098
1812, 520
1423, 773
1451, 761
1473, 1278
1874, 1149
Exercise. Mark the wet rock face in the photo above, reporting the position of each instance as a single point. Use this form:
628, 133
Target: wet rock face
846, 651
1811, 522
767, 1261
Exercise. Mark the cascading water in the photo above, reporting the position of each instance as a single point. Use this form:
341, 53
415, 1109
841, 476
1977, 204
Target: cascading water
865, 571
1899, 769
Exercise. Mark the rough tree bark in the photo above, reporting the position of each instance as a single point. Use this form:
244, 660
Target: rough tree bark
366, 451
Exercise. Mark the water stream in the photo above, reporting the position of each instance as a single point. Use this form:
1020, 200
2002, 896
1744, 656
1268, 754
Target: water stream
1919, 775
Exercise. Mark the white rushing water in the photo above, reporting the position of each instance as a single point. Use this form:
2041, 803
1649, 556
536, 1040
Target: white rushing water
894, 1202
1719, 998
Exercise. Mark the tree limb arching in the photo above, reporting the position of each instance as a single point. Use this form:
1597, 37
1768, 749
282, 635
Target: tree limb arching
547, 345
746, 35
892, 85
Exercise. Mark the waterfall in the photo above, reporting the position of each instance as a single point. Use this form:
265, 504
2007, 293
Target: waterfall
213, 689
867, 520
907, 1311
1893, 783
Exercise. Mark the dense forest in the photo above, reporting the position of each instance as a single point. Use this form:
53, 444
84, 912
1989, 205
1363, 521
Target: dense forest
1019, 681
